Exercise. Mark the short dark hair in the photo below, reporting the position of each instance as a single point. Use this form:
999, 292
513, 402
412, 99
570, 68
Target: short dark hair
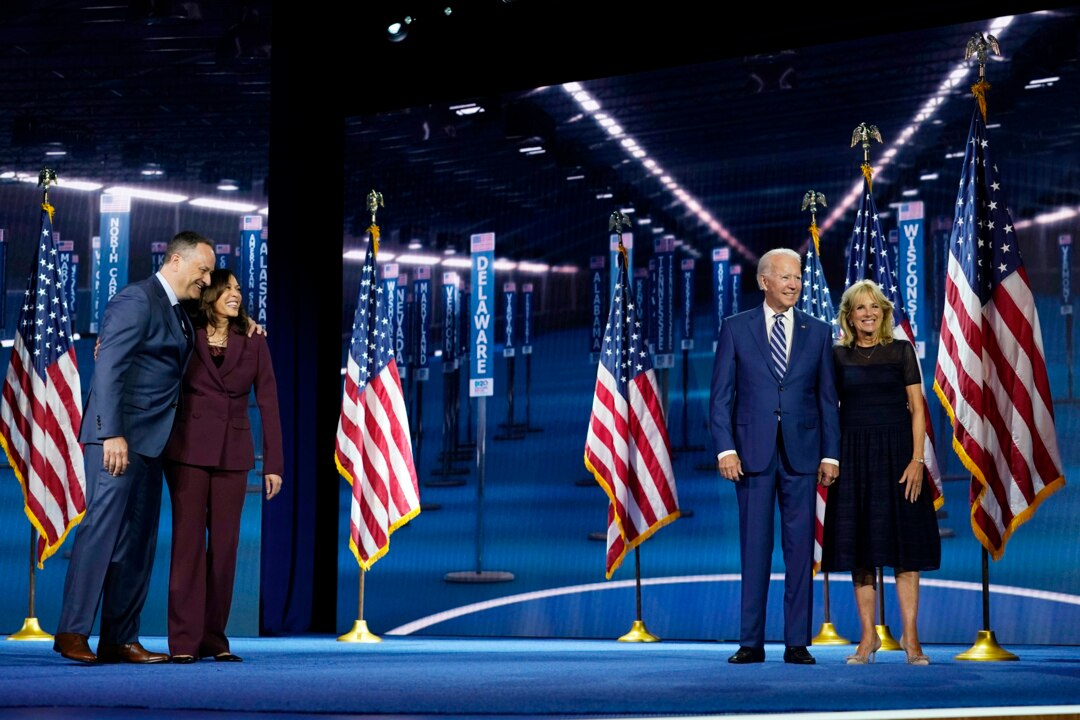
184, 242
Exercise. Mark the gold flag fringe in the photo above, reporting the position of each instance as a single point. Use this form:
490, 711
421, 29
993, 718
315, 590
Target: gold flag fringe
817, 240
868, 173
979, 91
374, 230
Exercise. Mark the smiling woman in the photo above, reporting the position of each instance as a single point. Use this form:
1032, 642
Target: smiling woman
207, 462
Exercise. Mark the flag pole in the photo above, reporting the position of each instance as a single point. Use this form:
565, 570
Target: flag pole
986, 647
822, 308
638, 632
360, 632
31, 629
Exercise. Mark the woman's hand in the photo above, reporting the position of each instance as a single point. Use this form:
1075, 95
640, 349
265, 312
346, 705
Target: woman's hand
273, 485
913, 476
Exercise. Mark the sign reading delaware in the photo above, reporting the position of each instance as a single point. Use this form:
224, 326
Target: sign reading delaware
481, 376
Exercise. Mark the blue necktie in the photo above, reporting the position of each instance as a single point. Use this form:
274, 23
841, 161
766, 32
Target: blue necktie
183, 323
778, 345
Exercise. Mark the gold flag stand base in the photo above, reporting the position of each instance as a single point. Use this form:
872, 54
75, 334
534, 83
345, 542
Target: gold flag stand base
888, 642
829, 636
360, 634
638, 633
986, 649
31, 630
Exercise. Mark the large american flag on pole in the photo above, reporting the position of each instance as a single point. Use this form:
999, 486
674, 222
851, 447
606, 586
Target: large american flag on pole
374, 445
627, 447
817, 301
868, 258
41, 408
991, 371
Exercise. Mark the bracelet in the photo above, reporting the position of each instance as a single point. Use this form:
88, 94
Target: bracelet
918, 460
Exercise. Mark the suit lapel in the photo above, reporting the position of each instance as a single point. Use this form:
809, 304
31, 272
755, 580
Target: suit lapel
757, 331
233, 351
170, 315
202, 351
798, 338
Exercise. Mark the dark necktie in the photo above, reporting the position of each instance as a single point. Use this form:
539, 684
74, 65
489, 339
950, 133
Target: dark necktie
183, 322
778, 344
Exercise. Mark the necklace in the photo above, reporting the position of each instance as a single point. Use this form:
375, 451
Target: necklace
222, 340
859, 349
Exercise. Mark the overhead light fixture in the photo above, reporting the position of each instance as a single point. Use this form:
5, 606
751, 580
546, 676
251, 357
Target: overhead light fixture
216, 204
228, 185
398, 30
928, 176
145, 194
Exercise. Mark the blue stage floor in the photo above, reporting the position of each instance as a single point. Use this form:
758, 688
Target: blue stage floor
491, 678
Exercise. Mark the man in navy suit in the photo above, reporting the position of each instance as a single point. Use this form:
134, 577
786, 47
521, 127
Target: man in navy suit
145, 346
775, 423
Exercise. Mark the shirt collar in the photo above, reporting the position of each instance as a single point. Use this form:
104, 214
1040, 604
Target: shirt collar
788, 314
173, 300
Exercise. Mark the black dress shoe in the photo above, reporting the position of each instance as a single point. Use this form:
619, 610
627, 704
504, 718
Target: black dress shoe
745, 655
228, 657
798, 655
183, 659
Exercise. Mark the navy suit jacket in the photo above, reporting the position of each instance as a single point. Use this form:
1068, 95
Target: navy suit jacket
136, 382
213, 428
747, 395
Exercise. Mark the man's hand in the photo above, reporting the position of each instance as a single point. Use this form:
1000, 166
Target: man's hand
115, 455
827, 474
730, 467
254, 327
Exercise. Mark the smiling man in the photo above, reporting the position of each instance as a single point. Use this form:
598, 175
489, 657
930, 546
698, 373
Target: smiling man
776, 431
145, 346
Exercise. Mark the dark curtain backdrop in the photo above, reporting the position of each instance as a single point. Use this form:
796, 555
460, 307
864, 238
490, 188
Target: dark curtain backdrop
300, 527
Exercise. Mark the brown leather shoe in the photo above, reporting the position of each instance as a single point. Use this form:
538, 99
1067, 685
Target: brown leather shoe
74, 647
130, 653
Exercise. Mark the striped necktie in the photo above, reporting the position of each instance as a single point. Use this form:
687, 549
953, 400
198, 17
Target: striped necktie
778, 345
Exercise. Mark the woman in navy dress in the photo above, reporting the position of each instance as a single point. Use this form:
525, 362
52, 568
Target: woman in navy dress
879, 512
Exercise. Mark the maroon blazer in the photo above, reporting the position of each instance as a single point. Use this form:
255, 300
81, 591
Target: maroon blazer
212, 427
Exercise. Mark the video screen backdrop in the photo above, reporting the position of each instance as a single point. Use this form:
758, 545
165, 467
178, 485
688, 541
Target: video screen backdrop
710, 165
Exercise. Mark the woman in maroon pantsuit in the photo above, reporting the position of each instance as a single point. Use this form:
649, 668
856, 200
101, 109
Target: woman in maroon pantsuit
207, 461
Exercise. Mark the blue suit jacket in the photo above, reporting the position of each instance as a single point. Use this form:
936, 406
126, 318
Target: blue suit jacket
747, 394
141, 360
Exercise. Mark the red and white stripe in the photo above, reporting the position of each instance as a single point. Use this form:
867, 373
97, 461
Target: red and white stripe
628, 452
374, 453
39, 423
991, 378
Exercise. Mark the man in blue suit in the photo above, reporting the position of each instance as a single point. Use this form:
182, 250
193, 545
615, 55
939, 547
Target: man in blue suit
145, 346
775, 423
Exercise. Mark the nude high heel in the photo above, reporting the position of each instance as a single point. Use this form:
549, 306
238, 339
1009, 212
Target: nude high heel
869, 657
914, 659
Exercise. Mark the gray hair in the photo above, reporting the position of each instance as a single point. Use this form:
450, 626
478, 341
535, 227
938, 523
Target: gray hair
766, 261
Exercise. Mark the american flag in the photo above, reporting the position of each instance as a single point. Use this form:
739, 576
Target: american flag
991, 372
627, 447
374, 445
817, 301
868, 258
41, 408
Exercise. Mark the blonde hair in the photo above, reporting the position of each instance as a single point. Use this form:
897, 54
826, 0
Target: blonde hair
847, 303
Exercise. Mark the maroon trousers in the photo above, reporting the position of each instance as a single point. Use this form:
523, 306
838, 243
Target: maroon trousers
206, 506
